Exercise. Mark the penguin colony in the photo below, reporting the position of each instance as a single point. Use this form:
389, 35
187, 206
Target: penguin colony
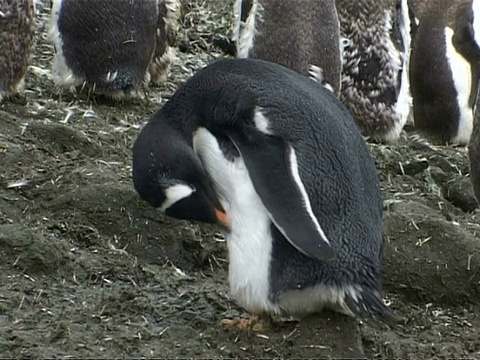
269, 145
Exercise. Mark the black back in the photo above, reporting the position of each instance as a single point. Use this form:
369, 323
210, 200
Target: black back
101, 36
436, 110
474, 150
297, 33
435, 105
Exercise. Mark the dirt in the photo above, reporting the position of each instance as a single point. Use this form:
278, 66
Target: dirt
89, 270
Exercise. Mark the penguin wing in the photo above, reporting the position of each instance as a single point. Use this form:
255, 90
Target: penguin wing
272, 165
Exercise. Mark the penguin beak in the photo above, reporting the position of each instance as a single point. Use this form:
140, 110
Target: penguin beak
222, 218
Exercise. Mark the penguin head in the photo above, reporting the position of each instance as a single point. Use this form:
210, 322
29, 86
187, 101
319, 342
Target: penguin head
169, 175
185, 192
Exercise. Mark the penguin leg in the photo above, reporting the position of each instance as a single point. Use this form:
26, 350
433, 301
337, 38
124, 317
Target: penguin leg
256, 322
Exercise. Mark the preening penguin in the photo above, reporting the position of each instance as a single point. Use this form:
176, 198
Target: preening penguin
169, 175
293, 175
17, 35
112, 47
444, 69
297, 34
376, 51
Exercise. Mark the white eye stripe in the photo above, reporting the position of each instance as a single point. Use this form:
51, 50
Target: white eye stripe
176, 193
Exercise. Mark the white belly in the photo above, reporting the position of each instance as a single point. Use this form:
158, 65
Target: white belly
249, 241
249, 245
462, 79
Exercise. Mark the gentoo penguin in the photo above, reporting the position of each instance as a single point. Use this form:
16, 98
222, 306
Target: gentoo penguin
375, 34
112, 47
297, 34
297, 186
402, 35
17, 35
474, 150
444, 69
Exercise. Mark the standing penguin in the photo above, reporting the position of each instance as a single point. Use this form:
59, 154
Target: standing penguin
17, 36
303, 35
167, 27
296, 185
474, 150
112, 47
374, 86
444, 69
474, 144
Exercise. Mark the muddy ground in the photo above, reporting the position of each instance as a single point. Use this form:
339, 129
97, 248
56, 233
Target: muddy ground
88, 270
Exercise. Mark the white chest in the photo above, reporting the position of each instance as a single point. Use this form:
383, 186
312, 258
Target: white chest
249, 245
249, 241
462, 79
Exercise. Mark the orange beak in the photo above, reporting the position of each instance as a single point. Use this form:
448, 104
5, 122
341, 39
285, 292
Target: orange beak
222, 218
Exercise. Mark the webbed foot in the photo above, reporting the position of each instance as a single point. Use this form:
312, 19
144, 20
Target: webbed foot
255, 323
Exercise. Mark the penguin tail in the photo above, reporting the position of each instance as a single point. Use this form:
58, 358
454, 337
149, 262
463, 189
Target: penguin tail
124, 80
367, 304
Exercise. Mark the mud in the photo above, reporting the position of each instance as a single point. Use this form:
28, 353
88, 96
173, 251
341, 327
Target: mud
88, 270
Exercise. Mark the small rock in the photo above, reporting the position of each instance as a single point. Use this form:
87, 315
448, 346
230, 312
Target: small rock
460, 193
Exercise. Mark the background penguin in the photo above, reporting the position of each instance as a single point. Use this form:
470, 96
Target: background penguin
376, 36
17, 36
295, 34
474, 150
167, 28
297, 182
112, 47
444, 70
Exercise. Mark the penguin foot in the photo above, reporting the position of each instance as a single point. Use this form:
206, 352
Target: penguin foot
255, 323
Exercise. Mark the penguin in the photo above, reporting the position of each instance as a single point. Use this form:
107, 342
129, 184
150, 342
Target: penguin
444, 70
303, 35
474, 150
289, 177
167, 28
403, 31
17, 38
374, 83
112, 48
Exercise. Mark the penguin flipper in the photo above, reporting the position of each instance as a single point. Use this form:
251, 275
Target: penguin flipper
272, 166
